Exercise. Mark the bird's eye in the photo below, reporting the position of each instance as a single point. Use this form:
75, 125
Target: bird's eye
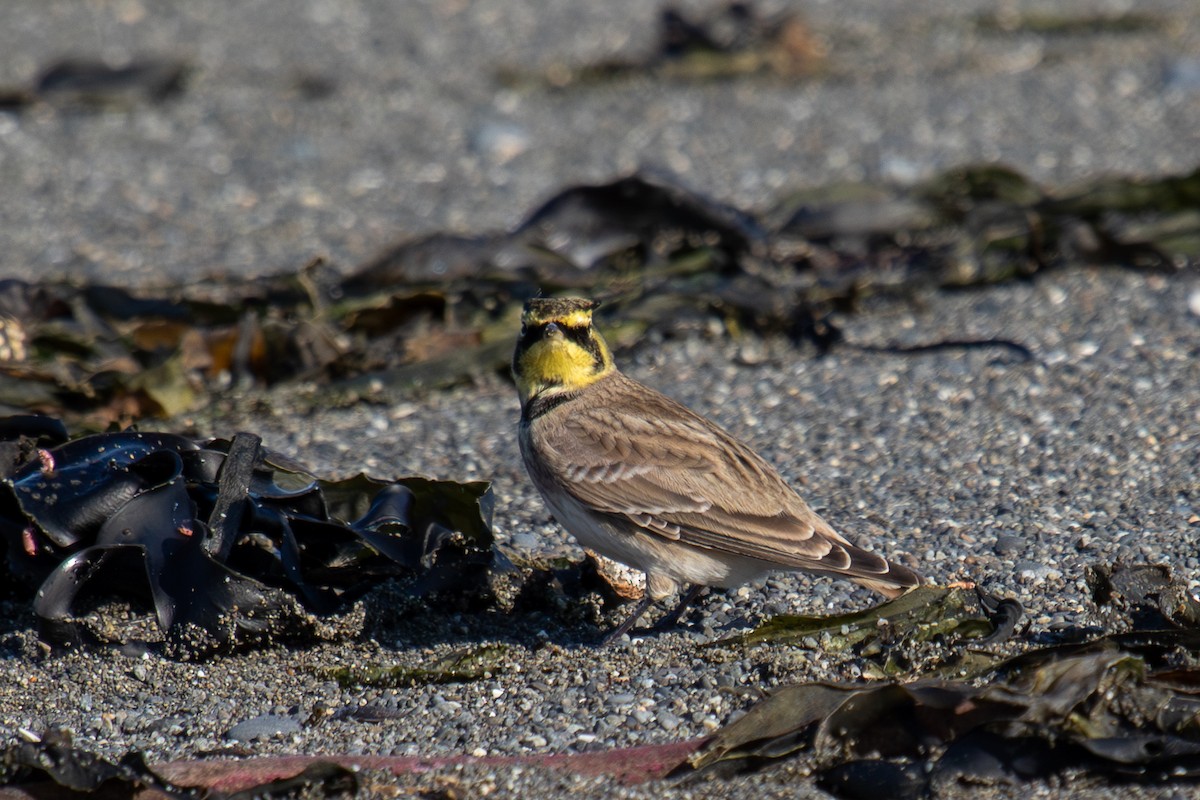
524, 328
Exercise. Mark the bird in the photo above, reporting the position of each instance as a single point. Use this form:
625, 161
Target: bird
638, 477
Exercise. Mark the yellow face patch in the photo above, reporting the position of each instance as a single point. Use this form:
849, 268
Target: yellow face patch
558, 361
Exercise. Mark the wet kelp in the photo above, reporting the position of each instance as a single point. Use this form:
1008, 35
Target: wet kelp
432, 311
52, 765
85, 84
229, 543
1123, 706
931, 630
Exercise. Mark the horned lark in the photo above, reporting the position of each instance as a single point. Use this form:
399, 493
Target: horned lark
637, 477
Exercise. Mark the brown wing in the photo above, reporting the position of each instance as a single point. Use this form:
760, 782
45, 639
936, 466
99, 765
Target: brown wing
676, 474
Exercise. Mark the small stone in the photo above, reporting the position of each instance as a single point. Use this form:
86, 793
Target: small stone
668, 721
642, 716
1033, 572
263, 727
524, 542
499, 141
1183, 74
1008, 543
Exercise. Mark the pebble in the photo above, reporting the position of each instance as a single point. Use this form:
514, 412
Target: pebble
885, 445
668, 721
1031, 571
1008, 543
1183, 75
525, 542
264, 726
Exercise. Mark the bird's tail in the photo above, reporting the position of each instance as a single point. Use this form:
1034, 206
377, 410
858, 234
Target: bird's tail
893, 583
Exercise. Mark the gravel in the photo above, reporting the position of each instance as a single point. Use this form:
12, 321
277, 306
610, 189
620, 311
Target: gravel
962, 463
243, 175
1090, 456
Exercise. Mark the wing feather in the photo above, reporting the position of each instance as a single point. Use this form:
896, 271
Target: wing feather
679, 476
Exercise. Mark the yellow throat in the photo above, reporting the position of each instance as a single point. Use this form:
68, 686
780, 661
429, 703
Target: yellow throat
558, 349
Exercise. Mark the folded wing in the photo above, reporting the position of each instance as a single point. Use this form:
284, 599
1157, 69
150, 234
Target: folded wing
677, 475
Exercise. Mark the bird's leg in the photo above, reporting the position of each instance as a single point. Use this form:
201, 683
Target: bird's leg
673, 616
666, 623
627, 623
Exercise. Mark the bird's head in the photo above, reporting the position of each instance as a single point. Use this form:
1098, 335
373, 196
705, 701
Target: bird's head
558, 349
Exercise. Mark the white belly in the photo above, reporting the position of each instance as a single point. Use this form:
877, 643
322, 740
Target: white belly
667, 563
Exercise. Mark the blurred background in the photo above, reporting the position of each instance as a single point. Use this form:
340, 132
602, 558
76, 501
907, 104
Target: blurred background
157, 142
